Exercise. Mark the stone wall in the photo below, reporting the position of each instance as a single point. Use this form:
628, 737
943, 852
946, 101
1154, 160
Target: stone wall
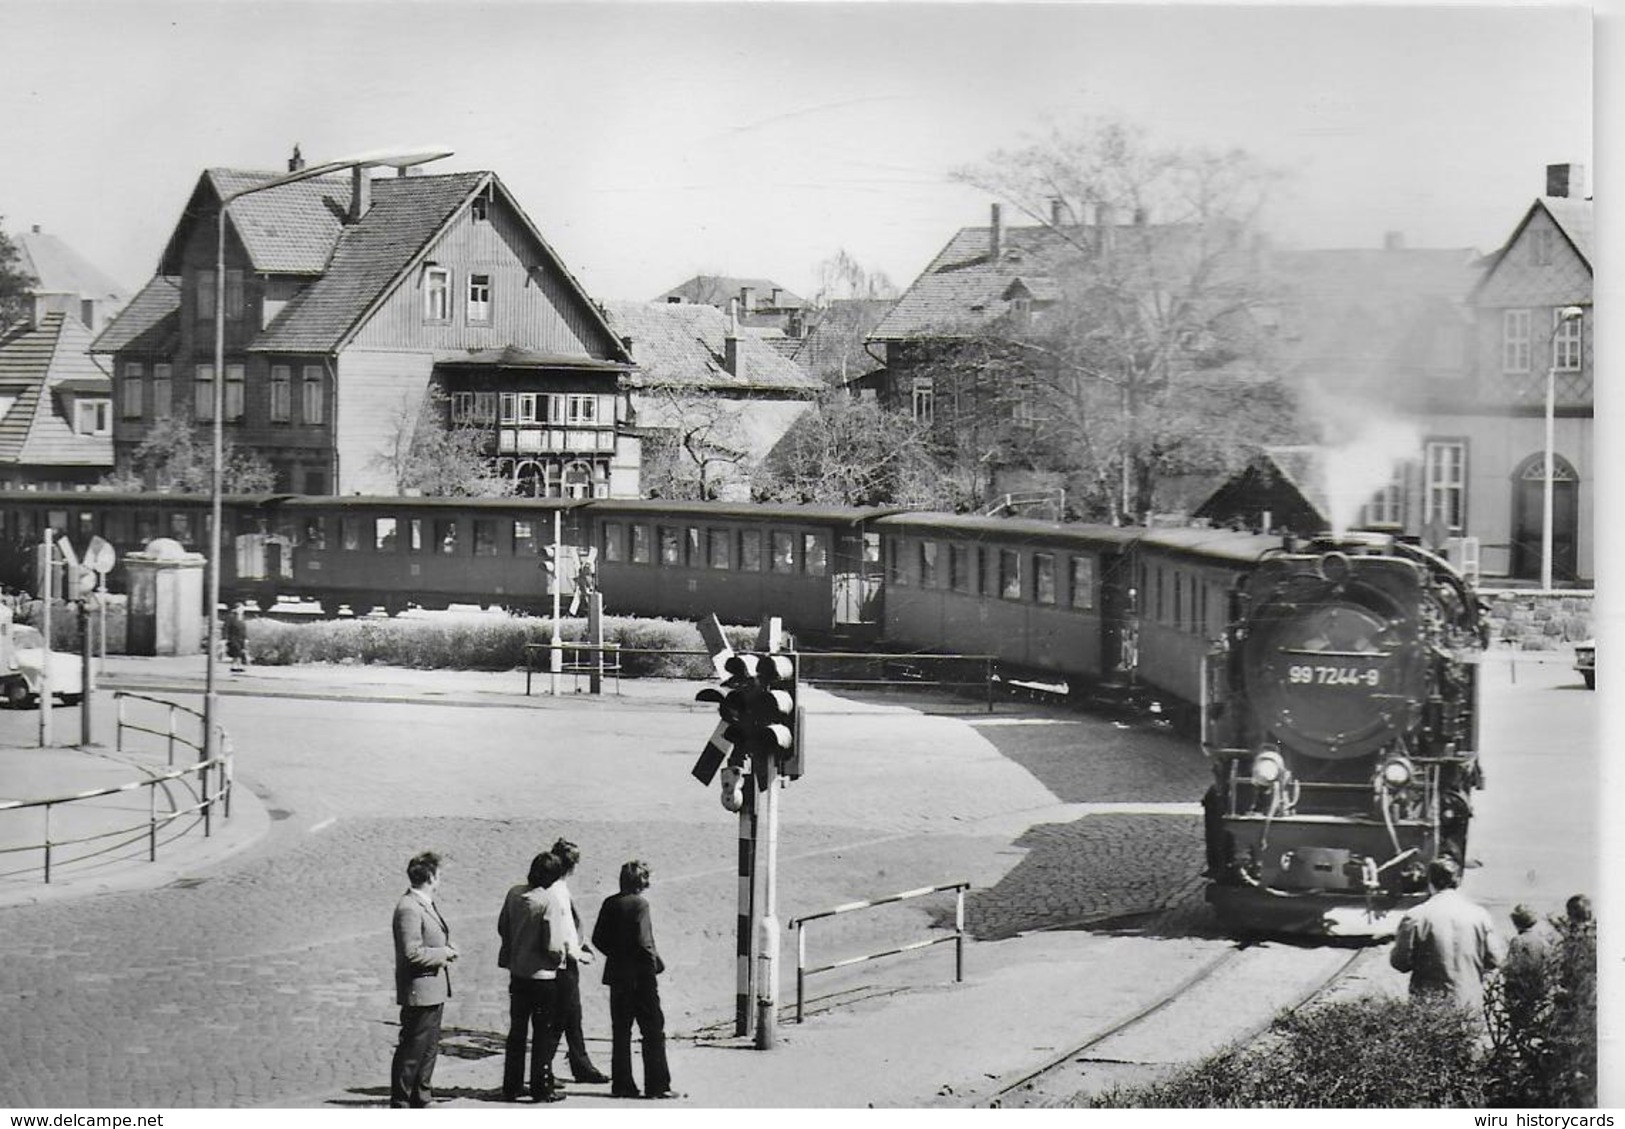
1529, 621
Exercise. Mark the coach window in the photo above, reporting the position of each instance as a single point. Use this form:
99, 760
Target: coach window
1179, 601
315, 533
814, 556
692, 553
524, 538
485, 538
445, 535
958, 568
928, 564
671, 546
640, 544
718, 543
350, 533
894, 562
1044, 577
1161, 607
414, 531
987, 564
180, 528
1010, 574
784, 552
87, 525
1083, 583
383, 534
614, 542
750, 550
118, 526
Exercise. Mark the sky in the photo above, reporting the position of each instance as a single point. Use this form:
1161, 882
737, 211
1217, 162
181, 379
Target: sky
651, 142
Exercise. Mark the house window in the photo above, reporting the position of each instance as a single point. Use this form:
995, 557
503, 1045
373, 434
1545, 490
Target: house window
203, 392
1044, 578
1083, 583
527, 407
206, 297
924, 400
93, 417
281, 393
1446, 484
583, 409
1540, 246
436, 294
479, 299
234, 392
130, 402
510, 408
479, 209
161, 395
1515, 341
1384, 507
1567, 342
473, 407
311, 401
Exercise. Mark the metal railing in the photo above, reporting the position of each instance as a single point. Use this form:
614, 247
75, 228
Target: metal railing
205, 793
957, 937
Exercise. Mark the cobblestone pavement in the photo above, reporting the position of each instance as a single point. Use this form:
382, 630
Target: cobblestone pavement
267, 979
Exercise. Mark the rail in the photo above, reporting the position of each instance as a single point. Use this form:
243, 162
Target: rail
219, 768
957, 937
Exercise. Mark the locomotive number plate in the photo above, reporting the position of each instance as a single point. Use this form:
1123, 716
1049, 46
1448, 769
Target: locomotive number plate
1303, 674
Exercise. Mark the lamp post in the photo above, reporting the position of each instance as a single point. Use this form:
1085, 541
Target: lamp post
360, 163
1564, 316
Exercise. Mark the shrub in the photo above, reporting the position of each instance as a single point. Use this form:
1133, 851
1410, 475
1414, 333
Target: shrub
1543, 1026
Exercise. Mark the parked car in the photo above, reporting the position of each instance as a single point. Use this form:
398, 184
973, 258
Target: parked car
23, 659
1585, 661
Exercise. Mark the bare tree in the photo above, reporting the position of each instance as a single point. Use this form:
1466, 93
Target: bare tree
695, 443
1137, 358
15, 283
854, 452
429, 453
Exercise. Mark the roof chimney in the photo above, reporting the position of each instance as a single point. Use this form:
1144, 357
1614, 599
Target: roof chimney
1566, 180
296, 163
995, 237
747, 298
730, 342
36, 229
360, 194
1142, 216
1057, 211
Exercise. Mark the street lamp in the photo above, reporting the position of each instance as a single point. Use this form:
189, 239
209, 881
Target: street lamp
1564, 316
360, 162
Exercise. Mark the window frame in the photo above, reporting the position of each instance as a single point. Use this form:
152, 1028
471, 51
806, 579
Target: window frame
130, 398
478, 309
312, 392
1515, 339
1568, 342
1445, 483
281, 394
437, 295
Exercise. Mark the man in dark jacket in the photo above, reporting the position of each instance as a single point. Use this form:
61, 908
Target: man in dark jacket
624, 935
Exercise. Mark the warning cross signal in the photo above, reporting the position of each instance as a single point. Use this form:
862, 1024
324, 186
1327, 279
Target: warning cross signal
761, 724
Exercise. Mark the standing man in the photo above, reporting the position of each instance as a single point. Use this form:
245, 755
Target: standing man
423, 955
625, 936
532, 951
1448, 942
576, 954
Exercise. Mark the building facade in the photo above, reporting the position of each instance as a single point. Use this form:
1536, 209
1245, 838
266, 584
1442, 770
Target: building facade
346, 301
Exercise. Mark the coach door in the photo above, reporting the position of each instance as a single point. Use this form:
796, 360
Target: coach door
856, 571
1119, 627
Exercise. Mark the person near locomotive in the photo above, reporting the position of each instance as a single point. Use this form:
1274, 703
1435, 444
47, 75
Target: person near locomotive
576, 954
236, 633
532, 951
1448, 943
624, 934
423, 956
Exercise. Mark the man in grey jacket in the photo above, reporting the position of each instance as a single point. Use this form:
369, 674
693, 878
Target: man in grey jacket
1448, 942
423, 955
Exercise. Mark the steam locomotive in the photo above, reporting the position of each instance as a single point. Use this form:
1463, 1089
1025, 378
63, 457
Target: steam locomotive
1340, 718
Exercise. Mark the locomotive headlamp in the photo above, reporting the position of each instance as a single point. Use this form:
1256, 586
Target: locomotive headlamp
1268, 767
1334, 567
1397, 772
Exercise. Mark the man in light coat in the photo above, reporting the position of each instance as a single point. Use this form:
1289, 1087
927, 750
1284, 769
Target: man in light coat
423, 956
1448, 942
532, 931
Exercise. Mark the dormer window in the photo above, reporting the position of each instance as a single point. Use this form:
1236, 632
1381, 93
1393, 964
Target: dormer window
93, 417
436, 294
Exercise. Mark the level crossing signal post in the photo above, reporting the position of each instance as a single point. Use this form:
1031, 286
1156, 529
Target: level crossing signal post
758, 743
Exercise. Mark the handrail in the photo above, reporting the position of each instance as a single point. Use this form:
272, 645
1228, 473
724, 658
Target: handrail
957, 937
219, 767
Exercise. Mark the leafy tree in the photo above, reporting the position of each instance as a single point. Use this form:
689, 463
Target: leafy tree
1137, 359
854, 452
15, 283
175, 456
428, 453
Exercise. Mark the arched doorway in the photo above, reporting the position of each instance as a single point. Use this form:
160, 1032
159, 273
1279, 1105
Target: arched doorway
578, 480
1529, 517
530, 479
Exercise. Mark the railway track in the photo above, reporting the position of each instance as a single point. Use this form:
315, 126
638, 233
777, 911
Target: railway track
1230, 999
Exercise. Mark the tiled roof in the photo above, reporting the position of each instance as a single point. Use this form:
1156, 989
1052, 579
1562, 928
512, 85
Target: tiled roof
963, 287
1575, 218
150, 323
289, 231
406, 213
514, 356
717, 289
684, 344
33, 363
61, 269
